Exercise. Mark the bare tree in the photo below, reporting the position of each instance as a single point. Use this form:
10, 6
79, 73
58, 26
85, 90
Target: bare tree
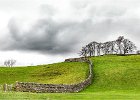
9, 63
105, 48
112, 47
118, 46
119, 43
94, 47
132, 46
84, 51
98, 48
125, 46
128, 46
90, 49
108, 47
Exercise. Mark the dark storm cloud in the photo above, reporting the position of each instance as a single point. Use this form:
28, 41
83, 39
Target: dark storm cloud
46, 36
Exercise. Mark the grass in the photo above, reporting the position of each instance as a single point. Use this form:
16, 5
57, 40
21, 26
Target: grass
107, 95
116, 73
115, 78
59, 73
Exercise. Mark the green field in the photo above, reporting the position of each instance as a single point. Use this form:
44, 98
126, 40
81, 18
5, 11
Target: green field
59, 73
115, 78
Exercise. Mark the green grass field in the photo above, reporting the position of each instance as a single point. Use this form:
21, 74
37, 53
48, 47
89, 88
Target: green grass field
115, 78
116, 73
59, 73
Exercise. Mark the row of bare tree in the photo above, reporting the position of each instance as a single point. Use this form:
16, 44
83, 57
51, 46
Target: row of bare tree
118, 46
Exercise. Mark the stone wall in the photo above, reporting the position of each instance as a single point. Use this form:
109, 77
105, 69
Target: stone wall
55, 88
81, 59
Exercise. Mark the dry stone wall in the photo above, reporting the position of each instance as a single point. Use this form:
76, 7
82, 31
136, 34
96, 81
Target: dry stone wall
55, 88
81, 59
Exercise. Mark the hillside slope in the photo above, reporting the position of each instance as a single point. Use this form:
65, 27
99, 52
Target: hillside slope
115, 78
112, 72
58, 73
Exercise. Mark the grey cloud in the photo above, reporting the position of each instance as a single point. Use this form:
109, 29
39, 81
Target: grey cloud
46, 36
51, 37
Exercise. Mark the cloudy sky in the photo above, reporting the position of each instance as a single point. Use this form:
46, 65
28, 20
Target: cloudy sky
48, 31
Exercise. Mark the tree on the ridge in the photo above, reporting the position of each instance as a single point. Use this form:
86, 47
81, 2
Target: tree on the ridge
112, 47
118, 46
94, 47
84, 51
98, 48
119, 43
128, 46
105, 48
90, 49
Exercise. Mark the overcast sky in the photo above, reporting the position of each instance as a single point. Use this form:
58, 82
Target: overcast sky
48, 31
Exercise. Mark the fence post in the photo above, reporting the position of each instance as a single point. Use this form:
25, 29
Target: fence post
5, 87
10, 87
0, 87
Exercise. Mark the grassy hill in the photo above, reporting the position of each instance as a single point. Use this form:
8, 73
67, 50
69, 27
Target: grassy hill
114, 72
115, 78
58, 73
